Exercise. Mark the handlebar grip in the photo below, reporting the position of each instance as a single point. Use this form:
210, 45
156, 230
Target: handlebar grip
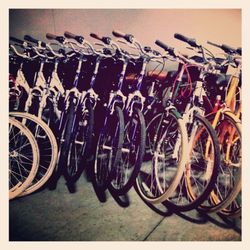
239, 51
69, 35
228, 49
96, 36
30, 39
181, 37
190, 41
33, 40
214, 44
104, 39
117, 33
79, 39
127, 37
164, 46
16, 40
51, 36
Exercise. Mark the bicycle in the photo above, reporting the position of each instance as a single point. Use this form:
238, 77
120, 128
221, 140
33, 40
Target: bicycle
44, 136
152, 183
202, 164
225, 119
228, 130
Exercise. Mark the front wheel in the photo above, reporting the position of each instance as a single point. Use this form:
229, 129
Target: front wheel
201, 167
79, 145
108, 150
159, 177
226, 197
23, 158
48, 149
133, 148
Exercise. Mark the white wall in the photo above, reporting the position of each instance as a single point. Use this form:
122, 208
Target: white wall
218, 25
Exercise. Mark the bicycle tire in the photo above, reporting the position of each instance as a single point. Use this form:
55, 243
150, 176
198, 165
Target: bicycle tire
102, 174
72, 175
135, 155
25, 181
232, 213
60, 131
226, 205
44, 171
150, 135
149, 184
187, 195
65, 139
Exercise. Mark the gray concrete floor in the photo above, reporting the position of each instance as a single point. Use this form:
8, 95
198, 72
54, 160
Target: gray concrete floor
62, 216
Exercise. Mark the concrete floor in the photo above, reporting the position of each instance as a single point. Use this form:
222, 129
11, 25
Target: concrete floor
63, 216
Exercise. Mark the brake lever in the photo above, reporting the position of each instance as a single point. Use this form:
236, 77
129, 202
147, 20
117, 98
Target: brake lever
99, 44
126, 43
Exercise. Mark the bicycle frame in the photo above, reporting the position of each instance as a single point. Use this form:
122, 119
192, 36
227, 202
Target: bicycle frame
21, 81
117, 97
228, 107
231, 93
136, 97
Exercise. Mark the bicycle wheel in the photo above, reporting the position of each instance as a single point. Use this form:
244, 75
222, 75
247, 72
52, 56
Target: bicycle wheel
65, 139
58, 125
125, 172
158, 178
225, 197
109, 146
201, 168
80, 144
47, 148
233, 210
151, 134
23, 158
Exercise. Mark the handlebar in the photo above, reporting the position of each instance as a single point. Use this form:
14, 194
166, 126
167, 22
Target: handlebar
214, 44
79, 39
191, 41
82, 43
60, 39
96, 36
44, 45
144, 52
164, 46
118, 33
226, 48
36, 48
33, 40
23, 55
104, 39
16, 40
239, 51
108, 41
128, 37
